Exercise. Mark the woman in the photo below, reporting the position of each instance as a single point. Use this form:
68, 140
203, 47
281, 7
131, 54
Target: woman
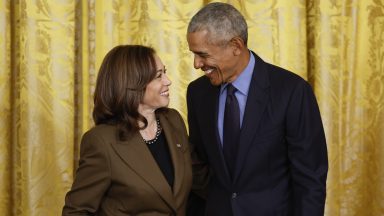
136, 160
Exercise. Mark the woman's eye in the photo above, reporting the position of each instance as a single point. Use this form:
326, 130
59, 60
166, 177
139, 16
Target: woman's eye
160, 73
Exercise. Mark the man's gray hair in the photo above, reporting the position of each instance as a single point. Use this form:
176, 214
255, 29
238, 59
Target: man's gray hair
222, 21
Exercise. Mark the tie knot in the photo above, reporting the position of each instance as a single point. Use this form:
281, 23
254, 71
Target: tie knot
231, 89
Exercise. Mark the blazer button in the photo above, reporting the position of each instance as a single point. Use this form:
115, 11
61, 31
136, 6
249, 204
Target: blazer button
234, 195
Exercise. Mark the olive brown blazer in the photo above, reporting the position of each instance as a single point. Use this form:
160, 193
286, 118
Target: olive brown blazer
117, 178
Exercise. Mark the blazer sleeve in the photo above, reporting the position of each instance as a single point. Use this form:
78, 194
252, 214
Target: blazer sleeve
92, 178
307, 152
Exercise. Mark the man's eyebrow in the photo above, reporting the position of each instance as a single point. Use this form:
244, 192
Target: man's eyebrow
199, 53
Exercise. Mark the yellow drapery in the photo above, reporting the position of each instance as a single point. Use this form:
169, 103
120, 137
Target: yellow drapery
50, 52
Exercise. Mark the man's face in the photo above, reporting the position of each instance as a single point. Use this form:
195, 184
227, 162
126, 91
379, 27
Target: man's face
218, 62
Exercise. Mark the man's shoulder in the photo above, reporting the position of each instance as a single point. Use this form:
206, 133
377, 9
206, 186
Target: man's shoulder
200, 82
274, 72
279, 70
284, 81
284, 75
201, 85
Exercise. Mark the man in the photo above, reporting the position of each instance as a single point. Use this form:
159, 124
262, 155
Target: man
263, 143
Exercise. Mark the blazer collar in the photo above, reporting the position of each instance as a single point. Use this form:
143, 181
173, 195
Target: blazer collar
137, 156
175, 150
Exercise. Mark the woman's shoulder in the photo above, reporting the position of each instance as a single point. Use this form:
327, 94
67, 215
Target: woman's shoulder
102, 132
170, 113
174, 119
102, 128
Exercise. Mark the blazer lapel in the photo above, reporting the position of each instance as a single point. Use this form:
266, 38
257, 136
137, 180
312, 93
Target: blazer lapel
137, 156
175, 152
256, 103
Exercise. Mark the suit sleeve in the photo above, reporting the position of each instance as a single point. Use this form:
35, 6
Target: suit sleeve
200, 169
92, 178
198, 155
307, 152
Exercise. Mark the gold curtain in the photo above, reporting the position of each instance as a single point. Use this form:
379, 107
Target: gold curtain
50, 52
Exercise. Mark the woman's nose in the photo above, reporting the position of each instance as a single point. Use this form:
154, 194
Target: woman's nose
167, 81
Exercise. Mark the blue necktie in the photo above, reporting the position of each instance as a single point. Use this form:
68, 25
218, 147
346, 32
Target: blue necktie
231, 128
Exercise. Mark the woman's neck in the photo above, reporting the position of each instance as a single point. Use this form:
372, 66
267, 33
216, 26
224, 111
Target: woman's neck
149, 114
150, 131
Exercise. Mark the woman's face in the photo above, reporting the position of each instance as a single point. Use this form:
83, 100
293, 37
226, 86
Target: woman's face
157, 91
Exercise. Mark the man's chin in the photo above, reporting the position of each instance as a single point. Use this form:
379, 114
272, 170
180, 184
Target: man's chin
214, 81
214, 78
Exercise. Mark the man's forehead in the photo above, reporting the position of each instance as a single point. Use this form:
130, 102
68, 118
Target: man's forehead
197, 43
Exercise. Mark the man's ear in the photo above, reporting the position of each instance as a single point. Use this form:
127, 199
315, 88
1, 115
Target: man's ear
238, 45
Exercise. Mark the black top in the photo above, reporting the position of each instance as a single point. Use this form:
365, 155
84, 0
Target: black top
160, 152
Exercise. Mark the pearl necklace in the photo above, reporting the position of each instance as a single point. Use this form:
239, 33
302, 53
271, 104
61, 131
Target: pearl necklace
158, 132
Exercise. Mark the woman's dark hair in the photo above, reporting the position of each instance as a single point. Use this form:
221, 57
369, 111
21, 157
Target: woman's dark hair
123, 76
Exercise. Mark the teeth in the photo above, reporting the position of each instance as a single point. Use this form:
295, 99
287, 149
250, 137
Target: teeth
208, 71
164, 93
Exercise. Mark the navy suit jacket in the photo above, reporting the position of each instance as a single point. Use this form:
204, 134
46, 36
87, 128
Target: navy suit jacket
282, 164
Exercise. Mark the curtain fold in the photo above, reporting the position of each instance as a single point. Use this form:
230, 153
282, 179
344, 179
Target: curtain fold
42, 115
345, 45
50, 52
5, 108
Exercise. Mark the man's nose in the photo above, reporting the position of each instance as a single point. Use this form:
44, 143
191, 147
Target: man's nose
197, 62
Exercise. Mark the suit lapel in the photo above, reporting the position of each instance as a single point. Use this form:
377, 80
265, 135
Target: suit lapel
210, 108
137, 156
256, 103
